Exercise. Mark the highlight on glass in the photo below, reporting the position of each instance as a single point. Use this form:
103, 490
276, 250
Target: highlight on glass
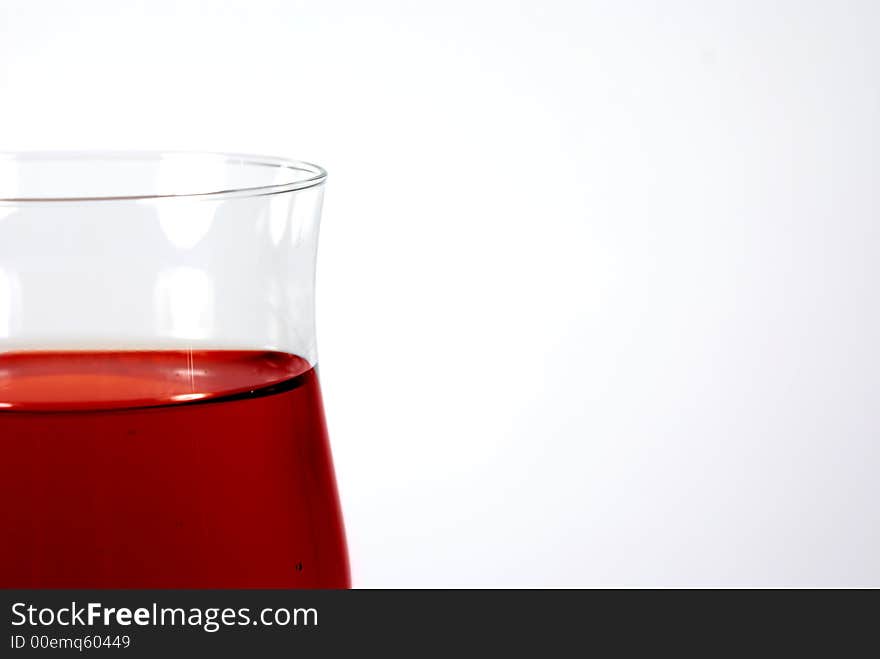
161, 423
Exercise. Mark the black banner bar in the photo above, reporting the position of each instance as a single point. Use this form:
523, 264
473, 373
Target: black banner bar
268, 623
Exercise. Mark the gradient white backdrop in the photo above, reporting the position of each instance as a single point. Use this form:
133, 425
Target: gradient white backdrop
597, 285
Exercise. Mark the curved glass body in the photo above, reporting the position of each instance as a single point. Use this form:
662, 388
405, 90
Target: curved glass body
161, 423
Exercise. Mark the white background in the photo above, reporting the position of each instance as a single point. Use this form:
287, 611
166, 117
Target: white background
597, 298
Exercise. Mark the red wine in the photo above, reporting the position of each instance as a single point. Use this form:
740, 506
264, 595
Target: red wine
166, 469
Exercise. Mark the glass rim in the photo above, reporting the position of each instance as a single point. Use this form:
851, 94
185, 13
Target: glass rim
309, 174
